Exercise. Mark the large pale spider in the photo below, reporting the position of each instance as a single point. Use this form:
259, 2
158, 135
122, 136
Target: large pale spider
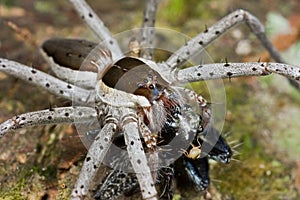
138, 114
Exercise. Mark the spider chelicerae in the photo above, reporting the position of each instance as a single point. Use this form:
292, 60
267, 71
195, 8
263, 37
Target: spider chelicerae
138, 116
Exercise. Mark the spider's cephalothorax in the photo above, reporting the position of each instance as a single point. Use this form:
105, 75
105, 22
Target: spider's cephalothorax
154, 117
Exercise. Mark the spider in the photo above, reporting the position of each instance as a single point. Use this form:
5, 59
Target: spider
125, 112
195, 151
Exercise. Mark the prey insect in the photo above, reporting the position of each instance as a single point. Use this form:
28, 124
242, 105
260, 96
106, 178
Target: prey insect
145, 114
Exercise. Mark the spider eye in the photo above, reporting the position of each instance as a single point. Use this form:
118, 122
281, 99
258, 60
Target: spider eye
140, 85
151, 86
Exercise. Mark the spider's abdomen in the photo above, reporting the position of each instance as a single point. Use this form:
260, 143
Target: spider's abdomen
71, 52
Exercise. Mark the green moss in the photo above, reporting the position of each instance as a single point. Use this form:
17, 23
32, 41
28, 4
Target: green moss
178, 11
258, 174
284, 89
14, 191
254, 177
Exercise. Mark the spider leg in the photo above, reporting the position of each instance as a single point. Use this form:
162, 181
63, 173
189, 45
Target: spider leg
97, 25
231, 70
148, 30
111, 96
91, 59
45, 81
82, 79
137, 157
150, 139
50, 116
204, 110
93, 160
198, 43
